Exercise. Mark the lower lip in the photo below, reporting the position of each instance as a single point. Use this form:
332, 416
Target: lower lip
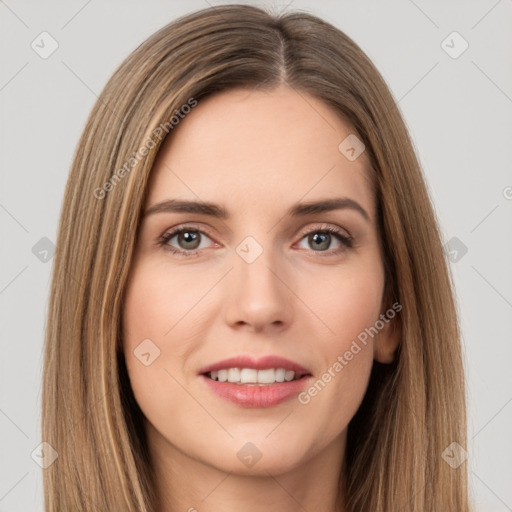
257, 395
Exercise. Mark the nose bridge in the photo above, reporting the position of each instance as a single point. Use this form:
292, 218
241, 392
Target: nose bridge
259, 295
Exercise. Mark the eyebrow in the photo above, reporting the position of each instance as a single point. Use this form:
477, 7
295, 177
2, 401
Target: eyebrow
219, 212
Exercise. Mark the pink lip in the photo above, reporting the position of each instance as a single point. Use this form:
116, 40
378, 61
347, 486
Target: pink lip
246, 395
258, 364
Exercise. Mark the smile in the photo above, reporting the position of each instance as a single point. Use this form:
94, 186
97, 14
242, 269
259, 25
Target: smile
251, 382
253, 376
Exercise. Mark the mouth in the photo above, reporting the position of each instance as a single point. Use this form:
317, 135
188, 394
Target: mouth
256, 383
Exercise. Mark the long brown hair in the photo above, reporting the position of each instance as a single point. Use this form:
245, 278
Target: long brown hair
413, 409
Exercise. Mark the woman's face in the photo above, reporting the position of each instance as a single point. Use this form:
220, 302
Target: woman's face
255, 283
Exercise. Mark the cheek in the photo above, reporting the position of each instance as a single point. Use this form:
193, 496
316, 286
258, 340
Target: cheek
158, 308
151, 307
159, 305
348, 302
149, 317
350, 307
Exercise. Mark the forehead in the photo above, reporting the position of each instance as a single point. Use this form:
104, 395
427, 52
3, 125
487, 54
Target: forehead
259, 147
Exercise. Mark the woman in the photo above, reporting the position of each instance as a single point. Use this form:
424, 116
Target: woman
250, 305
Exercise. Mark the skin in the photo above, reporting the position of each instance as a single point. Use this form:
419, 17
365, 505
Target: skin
255, 153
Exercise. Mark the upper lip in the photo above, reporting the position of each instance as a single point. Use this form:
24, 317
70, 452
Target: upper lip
261, 363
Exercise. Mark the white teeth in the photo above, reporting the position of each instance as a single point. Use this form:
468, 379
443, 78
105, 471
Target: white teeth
233, 375
248, 375
266, 376
280, 373
289, 375
252, 376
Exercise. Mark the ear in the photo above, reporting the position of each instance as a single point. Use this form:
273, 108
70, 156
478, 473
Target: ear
388, 338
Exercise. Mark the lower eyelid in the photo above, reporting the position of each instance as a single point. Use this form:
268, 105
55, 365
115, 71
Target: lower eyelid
343, 247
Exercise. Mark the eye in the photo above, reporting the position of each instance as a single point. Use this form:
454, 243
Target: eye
188, 239
321, 239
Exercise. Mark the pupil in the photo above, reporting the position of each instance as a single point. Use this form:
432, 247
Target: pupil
190, 237
325, 236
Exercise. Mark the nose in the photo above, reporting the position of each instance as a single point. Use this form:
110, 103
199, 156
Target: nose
258, 294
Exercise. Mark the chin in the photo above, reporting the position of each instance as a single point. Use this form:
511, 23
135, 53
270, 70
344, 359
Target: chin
261, 453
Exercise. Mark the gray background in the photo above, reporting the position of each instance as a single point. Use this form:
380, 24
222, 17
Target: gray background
458, 111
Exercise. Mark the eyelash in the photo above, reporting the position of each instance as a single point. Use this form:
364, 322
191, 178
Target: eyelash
346, 241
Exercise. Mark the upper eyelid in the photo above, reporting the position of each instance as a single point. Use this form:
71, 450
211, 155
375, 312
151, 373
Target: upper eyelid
177, 229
